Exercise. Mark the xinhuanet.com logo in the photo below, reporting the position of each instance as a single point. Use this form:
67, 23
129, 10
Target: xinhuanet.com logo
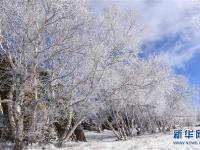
186, 137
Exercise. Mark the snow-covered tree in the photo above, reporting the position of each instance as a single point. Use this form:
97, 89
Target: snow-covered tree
61, 64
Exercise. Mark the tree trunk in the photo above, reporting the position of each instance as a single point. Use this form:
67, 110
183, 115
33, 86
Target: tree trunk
79, 133
69, 134
114, 131
18, 114
8, 115
18, 145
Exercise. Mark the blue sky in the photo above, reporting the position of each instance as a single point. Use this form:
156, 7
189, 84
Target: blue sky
171, 30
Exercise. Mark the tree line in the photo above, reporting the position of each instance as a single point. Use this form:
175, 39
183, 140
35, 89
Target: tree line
64, 69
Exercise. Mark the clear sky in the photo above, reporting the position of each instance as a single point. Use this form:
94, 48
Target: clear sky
172, 30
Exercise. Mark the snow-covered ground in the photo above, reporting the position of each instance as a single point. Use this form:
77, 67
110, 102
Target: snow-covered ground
106, 141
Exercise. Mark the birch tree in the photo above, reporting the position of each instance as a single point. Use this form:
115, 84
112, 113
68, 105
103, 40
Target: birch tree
61, 65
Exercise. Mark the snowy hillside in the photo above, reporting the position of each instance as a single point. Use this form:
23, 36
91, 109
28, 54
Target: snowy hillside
107, 141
